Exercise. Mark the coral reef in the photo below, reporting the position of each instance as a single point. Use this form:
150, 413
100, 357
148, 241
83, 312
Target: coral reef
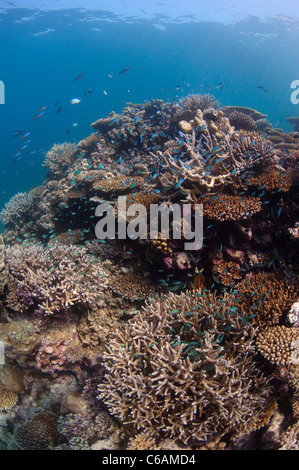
51, 280
59, 158
279, 344
17, 207
38, 434
137, 344
179, 369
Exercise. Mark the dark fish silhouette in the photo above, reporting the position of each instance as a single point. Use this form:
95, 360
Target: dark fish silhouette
124, 70
78, 77
16, 134
59, 110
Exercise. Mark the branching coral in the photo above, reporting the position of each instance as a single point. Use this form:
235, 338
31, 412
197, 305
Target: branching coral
212, 154
18, 206
51, 280
188, 106
59, 158
184, 368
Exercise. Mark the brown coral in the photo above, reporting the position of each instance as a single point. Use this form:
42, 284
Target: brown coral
184, 368
131, 286
7, 398
241, 120
271, 179
265, 298
38, 434
51, 280
118, 184
279, 344
226, 207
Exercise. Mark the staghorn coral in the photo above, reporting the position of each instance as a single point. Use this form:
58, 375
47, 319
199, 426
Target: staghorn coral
184, 368
20, 205
212, 154
142, 441
51, 280
279, 344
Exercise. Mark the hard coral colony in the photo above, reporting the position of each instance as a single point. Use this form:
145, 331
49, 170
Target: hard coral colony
139, 343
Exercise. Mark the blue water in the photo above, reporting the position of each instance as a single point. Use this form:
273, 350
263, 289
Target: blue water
42, 52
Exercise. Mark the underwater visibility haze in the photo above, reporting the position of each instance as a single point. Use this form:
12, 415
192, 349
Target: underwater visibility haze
133, 341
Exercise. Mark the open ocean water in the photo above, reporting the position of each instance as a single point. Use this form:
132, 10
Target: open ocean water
225, 48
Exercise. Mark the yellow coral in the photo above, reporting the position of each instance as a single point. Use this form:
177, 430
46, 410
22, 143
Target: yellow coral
278, 344
7, 399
